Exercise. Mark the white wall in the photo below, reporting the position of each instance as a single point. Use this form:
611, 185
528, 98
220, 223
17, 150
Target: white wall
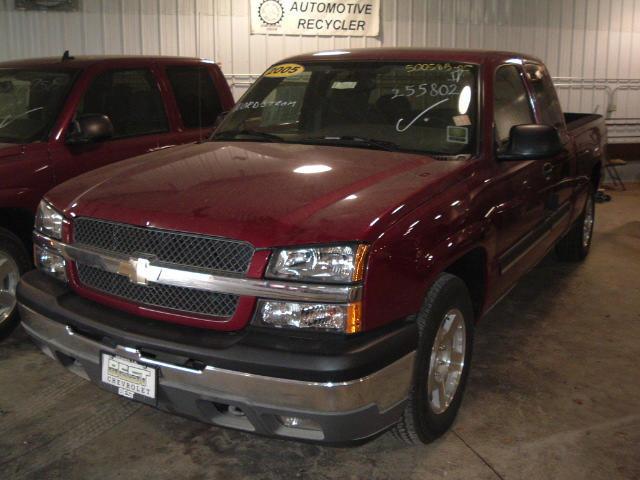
592, 47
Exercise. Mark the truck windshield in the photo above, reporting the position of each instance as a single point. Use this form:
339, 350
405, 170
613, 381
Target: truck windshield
29, 102
416, 107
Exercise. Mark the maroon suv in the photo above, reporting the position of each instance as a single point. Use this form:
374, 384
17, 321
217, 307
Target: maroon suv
60, 117
316, 270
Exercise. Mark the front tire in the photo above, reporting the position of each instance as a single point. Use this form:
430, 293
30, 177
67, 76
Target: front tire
14, 261
576, 244
445, 323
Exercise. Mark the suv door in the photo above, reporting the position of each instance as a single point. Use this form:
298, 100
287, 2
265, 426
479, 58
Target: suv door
132, 100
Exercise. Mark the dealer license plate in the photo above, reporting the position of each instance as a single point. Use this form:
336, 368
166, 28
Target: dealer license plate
129, 378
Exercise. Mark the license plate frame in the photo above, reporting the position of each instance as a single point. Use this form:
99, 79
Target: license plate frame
128, 378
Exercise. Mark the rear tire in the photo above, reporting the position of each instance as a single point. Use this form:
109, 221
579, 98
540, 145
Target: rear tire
14, 261
575, 245
441, 366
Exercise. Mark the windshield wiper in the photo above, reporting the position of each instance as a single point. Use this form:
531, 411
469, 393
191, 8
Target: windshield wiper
351, 140
12, 118
229, 134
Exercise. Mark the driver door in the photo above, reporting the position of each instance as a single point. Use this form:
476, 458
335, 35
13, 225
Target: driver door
518, 214
131, 98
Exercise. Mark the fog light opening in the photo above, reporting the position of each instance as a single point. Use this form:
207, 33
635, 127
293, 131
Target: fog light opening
236, 411
299, 422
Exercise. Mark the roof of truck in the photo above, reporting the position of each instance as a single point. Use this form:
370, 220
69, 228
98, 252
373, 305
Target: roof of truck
410, 54
86, 61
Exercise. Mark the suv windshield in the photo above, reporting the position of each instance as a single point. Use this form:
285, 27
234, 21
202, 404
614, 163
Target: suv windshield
417, 107
29, 102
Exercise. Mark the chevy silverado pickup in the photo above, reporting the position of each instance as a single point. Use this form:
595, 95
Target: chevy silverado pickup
60, 117
316, 269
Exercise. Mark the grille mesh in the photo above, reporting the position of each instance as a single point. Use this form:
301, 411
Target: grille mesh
175, 248
172, 247
186, 300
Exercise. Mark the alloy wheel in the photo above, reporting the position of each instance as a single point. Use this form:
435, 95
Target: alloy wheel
447, 361
9, 276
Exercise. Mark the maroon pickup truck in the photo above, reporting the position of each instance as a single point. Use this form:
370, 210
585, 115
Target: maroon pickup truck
60, 117
316, 270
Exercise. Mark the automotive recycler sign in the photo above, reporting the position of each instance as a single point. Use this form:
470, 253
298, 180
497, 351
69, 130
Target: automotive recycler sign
359, 18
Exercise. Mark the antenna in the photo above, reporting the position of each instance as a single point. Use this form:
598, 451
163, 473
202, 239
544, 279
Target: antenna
201, 69
66, 56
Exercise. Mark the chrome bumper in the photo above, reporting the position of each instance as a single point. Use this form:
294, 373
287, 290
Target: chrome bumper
343, 411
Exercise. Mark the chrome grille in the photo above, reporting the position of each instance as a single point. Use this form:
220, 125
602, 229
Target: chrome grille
178, 248
174, 248
186, 300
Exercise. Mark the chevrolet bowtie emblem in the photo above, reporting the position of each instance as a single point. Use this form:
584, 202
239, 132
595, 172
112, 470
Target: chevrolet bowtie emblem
139, 270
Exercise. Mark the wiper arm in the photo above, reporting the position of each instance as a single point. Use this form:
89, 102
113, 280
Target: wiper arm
12, 118
249, 133
343, 139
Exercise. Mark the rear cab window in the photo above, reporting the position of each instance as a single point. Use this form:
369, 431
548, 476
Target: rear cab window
130, 98
196, 95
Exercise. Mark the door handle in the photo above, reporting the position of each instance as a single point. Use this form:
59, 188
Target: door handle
547, 169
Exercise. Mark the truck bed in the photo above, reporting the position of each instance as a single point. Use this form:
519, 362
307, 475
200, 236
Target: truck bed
577, 120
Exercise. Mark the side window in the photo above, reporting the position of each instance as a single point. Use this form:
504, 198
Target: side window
547, 101
196, 95
131, 100
511, 103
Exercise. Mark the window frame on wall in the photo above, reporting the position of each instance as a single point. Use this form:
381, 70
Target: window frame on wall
152, 79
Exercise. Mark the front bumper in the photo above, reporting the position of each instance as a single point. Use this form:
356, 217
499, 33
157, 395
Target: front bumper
339, 411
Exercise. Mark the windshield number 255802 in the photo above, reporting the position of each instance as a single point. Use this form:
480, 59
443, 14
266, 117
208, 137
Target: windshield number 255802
433, 89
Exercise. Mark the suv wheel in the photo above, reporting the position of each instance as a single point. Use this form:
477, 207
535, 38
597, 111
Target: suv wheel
14, 261
576, 244
442, 363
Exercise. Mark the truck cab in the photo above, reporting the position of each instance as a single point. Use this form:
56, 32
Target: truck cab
61, 117
316, 270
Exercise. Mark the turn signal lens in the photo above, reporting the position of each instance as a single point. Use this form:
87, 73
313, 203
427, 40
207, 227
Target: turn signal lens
326, 317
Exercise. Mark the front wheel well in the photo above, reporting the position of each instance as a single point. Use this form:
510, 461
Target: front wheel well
19, 221
471, 268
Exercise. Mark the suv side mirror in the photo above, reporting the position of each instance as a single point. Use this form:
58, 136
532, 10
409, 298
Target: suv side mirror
90, 127
530, 142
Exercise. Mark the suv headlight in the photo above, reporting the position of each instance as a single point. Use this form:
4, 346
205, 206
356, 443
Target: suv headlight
327, 264
47, 259
335, 264
48, 221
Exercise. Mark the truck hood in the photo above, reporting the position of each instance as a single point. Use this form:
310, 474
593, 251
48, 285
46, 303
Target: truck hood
270, 194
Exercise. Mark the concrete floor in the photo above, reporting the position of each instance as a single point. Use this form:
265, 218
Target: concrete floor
554, 392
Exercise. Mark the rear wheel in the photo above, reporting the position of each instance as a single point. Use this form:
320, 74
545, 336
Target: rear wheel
576, 244
442, 363
14, 261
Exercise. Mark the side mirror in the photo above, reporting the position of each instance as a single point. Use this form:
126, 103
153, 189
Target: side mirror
530, 142
90, 127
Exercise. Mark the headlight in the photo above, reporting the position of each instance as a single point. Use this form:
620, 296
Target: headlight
334, 264
48, 221
50, 262
309, 316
